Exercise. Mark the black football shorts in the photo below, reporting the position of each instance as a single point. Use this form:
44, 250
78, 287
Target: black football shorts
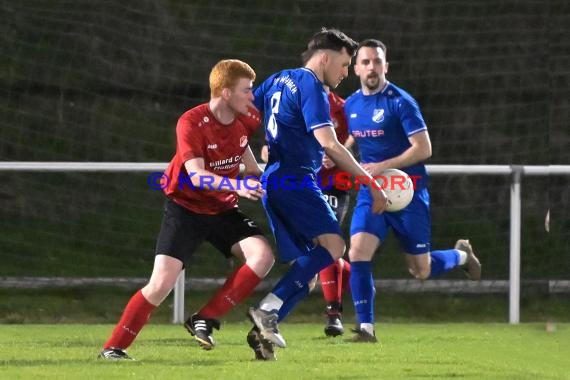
183, 231
339, 200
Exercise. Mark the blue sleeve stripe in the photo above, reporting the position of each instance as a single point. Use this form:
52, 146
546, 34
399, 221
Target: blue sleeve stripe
313, 127
417, 130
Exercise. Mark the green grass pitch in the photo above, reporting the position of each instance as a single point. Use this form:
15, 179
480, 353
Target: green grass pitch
406, 351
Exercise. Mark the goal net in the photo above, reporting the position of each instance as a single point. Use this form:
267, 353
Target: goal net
105, 81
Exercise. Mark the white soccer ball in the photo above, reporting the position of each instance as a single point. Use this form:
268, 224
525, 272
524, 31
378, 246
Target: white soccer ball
398, 187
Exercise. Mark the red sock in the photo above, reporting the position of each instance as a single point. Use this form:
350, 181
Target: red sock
329, 284
136, 314
345, 276
237, 287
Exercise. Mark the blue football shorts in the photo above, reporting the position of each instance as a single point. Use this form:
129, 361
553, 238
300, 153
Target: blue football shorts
297, 215
412, 225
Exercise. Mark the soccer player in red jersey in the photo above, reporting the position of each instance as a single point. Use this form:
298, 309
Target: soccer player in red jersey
335, 278
202, 190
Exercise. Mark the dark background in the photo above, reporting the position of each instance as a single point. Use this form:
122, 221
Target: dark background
106, 81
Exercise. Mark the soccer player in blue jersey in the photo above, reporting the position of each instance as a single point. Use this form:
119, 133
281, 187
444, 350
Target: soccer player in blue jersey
299, 131
390, 132
334, 278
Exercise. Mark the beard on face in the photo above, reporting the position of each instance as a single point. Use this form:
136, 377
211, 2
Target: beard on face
372, 81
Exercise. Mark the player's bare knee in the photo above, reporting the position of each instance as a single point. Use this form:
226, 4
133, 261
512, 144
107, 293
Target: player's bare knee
339, 249
421, 273
332, 243
355, 253
337, 253
156, 291
261, 261
265, 255
265, 262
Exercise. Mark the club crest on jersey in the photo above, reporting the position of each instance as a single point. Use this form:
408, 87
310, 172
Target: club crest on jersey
378, 115
243, 141
205, 120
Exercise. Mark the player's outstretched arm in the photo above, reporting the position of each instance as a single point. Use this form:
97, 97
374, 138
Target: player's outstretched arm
328, 163
206, 180
264, 153
349, 143
420, 150
250, 163
344, 160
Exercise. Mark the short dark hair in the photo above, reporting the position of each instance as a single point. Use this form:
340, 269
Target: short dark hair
372, 43
330, 39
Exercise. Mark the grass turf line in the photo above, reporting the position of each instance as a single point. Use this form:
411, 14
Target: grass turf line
406, 351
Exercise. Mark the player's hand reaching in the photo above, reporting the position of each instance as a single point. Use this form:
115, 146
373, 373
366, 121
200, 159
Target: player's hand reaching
380, 200
250, 189
327, 162
374, 168
254, 172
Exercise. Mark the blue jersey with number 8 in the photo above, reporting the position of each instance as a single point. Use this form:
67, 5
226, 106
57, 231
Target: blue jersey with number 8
294, 104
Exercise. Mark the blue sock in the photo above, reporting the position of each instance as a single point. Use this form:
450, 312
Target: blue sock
362, 287
443, 261
290, 303
302, 270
